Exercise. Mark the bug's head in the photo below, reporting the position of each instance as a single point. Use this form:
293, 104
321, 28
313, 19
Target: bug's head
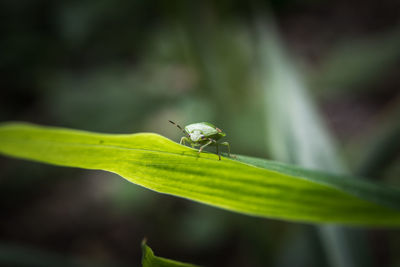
196, 136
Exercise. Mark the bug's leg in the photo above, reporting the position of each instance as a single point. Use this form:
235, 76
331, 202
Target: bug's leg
229, 147
183, 140
203, 146
219, 156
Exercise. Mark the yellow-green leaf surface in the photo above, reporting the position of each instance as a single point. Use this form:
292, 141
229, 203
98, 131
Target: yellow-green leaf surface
246, 185
150, 260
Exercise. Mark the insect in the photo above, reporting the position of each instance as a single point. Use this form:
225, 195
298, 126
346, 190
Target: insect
202, 134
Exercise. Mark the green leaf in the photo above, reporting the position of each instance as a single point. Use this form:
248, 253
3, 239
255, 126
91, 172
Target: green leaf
297, 135
259, 187
150, 260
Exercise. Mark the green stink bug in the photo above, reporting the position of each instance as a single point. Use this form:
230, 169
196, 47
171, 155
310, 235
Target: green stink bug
202, 134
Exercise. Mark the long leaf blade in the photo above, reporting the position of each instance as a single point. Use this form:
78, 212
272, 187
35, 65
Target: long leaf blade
159, 164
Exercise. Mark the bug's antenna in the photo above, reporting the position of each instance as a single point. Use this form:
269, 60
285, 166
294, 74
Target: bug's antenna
180, 128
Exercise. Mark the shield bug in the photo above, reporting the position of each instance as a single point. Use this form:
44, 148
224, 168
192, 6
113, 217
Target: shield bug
202, 134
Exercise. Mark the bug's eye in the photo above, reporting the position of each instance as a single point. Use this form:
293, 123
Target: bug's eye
203, 137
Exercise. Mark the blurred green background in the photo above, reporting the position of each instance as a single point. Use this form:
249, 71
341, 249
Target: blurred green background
130, 66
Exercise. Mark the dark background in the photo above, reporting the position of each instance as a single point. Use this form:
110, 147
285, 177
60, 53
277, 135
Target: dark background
129, 66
